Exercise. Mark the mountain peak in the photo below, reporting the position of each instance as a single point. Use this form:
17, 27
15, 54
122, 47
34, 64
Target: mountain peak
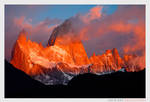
115, 52
22, 35
66, 53
94, 54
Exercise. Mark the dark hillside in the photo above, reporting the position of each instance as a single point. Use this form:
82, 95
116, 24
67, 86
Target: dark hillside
116, 85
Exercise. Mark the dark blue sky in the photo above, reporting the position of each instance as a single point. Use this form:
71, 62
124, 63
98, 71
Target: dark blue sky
40, 12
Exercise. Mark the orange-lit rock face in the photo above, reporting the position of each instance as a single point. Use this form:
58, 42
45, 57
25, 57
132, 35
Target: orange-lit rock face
134, 63
67, 58
106, 62
75, 50
68, 55
24, 51
30, 56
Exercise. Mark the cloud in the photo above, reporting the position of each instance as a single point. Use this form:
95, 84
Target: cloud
94, 13
124, 30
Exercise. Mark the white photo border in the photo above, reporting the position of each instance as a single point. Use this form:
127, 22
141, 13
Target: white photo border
74, 2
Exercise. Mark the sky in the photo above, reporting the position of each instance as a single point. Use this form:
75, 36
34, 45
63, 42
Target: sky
101, 27
39, 13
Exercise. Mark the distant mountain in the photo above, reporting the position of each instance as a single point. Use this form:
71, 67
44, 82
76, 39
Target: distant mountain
66, 57
115, 85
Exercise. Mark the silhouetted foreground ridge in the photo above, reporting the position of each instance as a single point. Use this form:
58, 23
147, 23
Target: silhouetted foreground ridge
115, 85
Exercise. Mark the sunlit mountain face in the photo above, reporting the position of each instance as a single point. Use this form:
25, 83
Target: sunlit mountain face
65, 57
94, 42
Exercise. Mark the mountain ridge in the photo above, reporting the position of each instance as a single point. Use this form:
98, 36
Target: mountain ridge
65, 53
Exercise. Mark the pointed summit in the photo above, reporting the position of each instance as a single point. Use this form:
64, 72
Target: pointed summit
108, 52
115, 52
22, 35
94, 54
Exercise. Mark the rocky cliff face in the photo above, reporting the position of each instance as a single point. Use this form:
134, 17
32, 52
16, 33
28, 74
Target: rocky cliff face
65, 57
134, 63
62, 36
109, 61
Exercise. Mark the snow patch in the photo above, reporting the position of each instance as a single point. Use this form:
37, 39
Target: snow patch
59, 50
41, 60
